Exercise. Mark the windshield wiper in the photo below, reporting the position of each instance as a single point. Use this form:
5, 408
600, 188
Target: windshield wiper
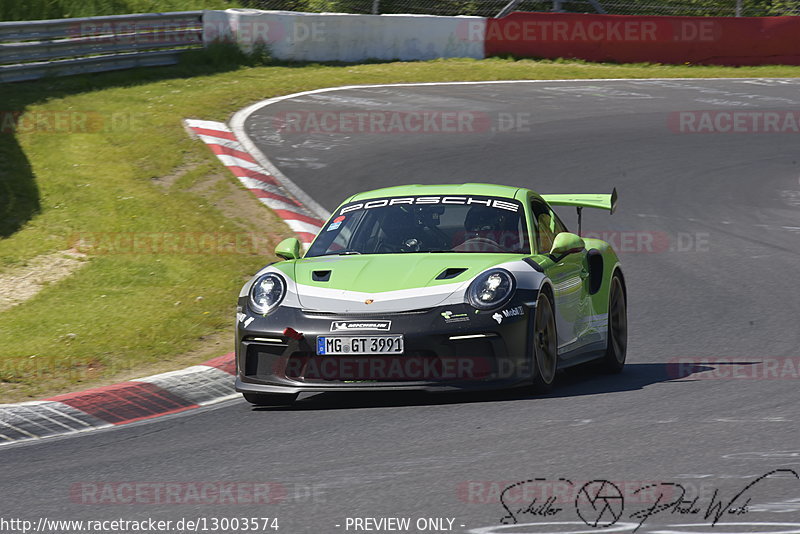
348, 252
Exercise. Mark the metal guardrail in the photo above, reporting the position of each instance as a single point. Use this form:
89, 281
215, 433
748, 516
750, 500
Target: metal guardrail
35, 49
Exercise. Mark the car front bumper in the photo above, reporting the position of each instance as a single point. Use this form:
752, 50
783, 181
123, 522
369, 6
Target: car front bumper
445, 348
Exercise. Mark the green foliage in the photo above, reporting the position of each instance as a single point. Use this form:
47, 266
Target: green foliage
783, 7
490, 8
53, 9
430, 7
59, 9
225, 55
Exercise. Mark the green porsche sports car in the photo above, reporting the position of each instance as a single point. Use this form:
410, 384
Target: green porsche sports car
433, 287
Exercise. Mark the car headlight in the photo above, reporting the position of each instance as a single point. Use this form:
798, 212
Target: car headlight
491, 289
267, 292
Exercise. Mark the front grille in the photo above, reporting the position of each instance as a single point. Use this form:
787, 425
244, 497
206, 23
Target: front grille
263, 360
309, 367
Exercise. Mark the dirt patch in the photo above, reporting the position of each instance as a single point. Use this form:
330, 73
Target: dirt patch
242, 208
22, 283
168, 180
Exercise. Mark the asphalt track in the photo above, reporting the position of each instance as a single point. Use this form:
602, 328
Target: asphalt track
716, 279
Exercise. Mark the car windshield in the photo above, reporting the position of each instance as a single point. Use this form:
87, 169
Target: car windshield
468, 224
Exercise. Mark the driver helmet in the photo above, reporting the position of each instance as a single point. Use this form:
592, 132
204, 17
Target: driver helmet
482, 219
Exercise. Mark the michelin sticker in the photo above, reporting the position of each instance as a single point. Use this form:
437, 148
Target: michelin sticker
340, 326
450, 317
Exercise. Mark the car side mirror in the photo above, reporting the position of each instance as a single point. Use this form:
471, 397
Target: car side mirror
567, 243
288, 249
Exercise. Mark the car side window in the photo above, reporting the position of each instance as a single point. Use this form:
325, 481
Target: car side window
547, 225
559, 226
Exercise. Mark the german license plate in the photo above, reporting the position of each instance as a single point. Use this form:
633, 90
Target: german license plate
327, 345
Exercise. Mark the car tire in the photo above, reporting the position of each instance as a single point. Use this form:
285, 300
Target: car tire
544, 345
270, 399
616, 350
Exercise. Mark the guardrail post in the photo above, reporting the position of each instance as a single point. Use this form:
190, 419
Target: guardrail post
509, 7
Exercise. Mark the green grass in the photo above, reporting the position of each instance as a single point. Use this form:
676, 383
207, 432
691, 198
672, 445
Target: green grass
122, 307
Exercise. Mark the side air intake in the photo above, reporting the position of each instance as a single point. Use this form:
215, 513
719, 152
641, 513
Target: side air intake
321, 276
450, 272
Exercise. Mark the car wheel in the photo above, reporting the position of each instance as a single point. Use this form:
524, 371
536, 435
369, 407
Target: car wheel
270, 399
545, 345
614, 359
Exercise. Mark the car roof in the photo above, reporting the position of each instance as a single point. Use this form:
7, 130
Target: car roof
491, 190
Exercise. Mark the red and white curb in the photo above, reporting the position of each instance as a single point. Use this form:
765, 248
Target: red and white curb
221, 140
176, 391
119, 404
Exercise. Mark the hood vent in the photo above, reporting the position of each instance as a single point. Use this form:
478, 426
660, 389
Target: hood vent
450, 273
321, 276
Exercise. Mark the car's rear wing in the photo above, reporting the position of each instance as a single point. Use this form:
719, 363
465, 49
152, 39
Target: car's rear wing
603, 202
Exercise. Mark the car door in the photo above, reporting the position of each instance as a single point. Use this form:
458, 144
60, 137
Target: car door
568, 276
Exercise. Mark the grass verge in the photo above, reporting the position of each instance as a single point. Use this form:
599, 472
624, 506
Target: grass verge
127, 169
